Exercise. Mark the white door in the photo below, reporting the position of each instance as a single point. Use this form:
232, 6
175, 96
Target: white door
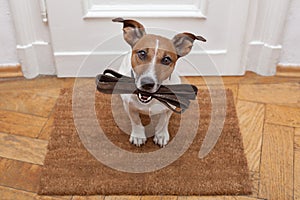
85, 40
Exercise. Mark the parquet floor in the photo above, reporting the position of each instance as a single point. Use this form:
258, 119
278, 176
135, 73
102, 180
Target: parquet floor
269, 115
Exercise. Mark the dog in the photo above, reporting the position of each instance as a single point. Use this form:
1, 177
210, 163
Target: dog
151, 63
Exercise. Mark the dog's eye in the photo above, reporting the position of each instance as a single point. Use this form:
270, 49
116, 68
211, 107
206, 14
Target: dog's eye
142, 54
166, 60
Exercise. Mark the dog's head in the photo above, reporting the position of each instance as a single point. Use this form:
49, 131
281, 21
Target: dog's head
154, 57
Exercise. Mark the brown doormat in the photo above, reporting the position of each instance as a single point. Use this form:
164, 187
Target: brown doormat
71, 169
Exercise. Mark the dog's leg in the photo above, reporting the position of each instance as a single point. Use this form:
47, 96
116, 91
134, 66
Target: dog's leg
137, 136
161, 130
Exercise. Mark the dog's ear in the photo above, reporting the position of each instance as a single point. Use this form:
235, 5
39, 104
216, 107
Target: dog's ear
132, 30
183, 42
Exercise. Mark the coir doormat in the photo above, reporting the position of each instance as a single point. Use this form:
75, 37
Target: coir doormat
71, 168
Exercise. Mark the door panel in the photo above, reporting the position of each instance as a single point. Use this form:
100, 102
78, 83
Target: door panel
80, 26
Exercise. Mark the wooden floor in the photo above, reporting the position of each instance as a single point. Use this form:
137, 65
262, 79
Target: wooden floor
269, 115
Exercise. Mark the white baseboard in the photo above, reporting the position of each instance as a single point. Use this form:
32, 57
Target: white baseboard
263, 58
292, 65
9, 65
36, 58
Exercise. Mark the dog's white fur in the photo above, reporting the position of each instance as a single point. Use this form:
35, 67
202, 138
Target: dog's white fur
154, 107
150, 74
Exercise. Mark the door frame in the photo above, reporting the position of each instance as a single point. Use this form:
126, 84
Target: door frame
264, 35
262, 38
33, 37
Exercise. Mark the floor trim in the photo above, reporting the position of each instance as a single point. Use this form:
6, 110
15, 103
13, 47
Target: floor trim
11, 71
288, 71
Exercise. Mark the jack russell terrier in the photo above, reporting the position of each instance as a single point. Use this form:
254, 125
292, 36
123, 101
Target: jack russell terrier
151, 63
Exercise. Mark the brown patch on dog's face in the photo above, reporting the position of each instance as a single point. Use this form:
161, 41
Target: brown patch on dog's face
156, 54
154, 57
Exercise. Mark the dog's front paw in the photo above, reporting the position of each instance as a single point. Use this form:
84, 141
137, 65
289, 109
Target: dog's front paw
138, 136
161, 139
137, 141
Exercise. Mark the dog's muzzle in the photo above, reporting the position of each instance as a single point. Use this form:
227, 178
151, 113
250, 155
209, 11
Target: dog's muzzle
147, 85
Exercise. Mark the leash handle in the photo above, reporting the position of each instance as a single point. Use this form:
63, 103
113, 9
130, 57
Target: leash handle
171, 96
114, 73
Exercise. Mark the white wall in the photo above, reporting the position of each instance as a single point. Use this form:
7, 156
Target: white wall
290, 55
8, 54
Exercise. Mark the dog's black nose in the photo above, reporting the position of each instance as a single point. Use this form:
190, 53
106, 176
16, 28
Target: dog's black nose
147, 83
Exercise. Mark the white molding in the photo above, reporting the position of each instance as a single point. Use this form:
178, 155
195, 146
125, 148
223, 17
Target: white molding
263, 58
260, 43
202, 5
116, 53
67, 62
196, 10
87, 53
263, 39
37, 56
286, 64
43, 10
236, 34
33, 39
36, 43
9, 65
